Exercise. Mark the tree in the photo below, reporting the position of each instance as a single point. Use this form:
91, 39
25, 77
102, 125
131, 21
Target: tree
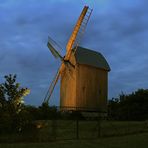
2, 98
11, 103
133, 106
11, 94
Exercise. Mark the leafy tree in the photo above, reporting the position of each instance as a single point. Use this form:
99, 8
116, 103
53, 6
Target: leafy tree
113, 106
11, 94
133, 106
11, 103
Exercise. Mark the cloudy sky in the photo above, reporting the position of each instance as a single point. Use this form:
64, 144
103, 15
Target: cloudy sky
117, 28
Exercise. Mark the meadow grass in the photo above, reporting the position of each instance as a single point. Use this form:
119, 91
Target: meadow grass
128, 141
66, 130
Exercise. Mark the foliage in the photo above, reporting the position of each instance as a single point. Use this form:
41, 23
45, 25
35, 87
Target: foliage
11, 94
130, 107
11, 104
47, 112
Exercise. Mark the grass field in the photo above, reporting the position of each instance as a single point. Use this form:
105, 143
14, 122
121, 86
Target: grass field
89, 131
129, 141
66, 129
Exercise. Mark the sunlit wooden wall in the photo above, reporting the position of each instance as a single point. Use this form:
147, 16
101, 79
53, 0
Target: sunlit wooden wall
84, 87
91, 87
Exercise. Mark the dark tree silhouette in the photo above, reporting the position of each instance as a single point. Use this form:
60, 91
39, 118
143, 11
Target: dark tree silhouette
11, 103
11, 94
133, 106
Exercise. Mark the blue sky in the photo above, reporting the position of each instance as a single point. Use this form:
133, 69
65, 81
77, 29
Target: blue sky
117, 28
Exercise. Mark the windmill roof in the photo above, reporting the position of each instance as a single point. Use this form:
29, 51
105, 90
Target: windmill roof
92, 58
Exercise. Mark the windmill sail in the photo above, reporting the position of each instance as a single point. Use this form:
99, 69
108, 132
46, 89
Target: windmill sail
53, 46
51, 87
78, 30
82, 27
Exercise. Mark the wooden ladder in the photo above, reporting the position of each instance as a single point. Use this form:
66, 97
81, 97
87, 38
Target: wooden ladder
82, 28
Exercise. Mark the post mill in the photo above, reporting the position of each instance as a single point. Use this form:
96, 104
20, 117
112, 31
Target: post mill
83, 72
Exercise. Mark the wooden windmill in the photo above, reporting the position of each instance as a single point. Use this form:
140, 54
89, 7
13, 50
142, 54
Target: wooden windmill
83, 72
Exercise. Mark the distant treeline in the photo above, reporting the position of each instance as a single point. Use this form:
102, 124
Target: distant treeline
133, 106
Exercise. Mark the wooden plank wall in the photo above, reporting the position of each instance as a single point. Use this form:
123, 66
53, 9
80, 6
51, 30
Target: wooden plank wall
91, 87
68, 88
84, 87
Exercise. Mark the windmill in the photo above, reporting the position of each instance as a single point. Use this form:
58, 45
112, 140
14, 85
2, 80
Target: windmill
83, 72
74, 41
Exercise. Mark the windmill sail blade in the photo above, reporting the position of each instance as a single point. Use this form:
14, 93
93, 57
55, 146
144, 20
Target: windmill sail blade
53, 46
53, 51
78, 30
82, 28
52, 86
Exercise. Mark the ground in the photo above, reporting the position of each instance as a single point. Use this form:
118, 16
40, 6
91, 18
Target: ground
130, 141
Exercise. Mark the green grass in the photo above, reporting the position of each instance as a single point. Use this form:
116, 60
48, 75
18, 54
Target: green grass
66, 130
129, 141
89, 129
111, 128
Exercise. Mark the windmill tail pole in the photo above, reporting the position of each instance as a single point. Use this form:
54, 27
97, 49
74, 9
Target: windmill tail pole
76, 29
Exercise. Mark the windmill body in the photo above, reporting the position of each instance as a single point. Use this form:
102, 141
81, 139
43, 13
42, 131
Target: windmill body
83, 72
85, 87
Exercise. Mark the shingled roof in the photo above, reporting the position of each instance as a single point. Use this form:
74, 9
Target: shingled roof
92, 58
